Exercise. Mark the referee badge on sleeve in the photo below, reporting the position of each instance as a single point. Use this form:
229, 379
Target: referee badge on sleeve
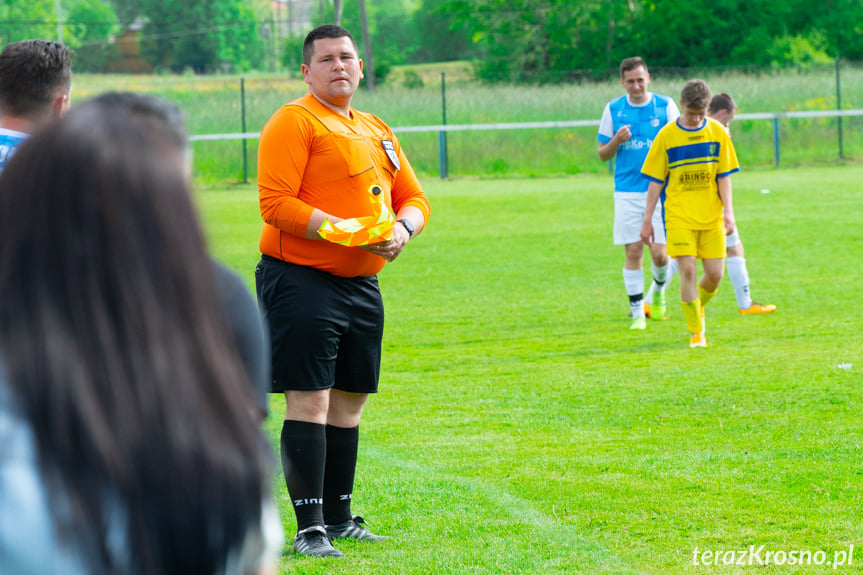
391, 153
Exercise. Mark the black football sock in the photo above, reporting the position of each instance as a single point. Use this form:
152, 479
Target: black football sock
304, 447
339, 475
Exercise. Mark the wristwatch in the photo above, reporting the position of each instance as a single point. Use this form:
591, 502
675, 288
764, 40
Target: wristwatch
408, 226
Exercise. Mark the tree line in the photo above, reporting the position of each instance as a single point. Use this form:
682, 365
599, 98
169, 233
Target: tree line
508, 40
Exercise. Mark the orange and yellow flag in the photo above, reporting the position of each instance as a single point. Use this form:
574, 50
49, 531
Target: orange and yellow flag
365, 230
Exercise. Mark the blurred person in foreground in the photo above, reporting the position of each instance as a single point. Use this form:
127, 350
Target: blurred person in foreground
35, 88
722, 109
691, 162
127, 442
238, 304
320, 162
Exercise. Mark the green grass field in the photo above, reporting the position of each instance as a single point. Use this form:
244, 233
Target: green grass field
521, 428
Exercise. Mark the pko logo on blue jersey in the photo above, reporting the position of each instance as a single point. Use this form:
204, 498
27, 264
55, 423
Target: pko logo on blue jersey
654, 122
633, 144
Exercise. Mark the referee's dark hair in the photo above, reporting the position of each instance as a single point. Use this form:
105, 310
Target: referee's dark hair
325, 31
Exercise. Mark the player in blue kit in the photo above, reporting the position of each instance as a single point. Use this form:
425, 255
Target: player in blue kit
627, 128
722, 109
35, 88
9, 140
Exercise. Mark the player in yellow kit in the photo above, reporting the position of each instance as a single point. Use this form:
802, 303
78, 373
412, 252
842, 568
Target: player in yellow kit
690, 164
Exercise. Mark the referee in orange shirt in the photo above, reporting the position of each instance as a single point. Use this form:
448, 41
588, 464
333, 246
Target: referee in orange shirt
318, 158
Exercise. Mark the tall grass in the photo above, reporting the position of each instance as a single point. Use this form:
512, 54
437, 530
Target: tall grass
213, 105
522, 428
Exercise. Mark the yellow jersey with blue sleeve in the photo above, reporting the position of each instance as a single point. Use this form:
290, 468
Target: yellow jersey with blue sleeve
689, 161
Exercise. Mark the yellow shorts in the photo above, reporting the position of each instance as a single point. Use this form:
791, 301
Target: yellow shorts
703, 244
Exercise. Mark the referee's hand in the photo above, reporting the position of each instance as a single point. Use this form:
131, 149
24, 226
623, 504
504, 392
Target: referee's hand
390, 249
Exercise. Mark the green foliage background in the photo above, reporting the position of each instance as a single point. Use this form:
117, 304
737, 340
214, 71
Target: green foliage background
222, 31
508, 40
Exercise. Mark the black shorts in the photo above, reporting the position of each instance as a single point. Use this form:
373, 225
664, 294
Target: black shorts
325, 330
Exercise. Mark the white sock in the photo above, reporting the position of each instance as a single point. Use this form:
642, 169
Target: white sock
633, 280
661, 275
672, 269
739, 276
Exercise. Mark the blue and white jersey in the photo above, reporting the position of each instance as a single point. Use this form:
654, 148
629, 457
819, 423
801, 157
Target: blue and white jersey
645, 121
9, 140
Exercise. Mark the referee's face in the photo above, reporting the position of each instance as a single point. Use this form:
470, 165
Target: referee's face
334, 71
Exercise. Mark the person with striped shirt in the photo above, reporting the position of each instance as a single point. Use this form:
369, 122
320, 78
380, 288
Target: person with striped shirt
691, 161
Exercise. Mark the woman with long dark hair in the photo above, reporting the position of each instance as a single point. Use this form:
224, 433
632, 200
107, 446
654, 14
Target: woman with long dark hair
127, 442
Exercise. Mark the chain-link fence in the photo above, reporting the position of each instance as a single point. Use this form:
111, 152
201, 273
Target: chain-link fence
424, 96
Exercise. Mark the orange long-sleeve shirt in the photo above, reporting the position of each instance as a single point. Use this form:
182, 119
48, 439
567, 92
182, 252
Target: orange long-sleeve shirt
312, 157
